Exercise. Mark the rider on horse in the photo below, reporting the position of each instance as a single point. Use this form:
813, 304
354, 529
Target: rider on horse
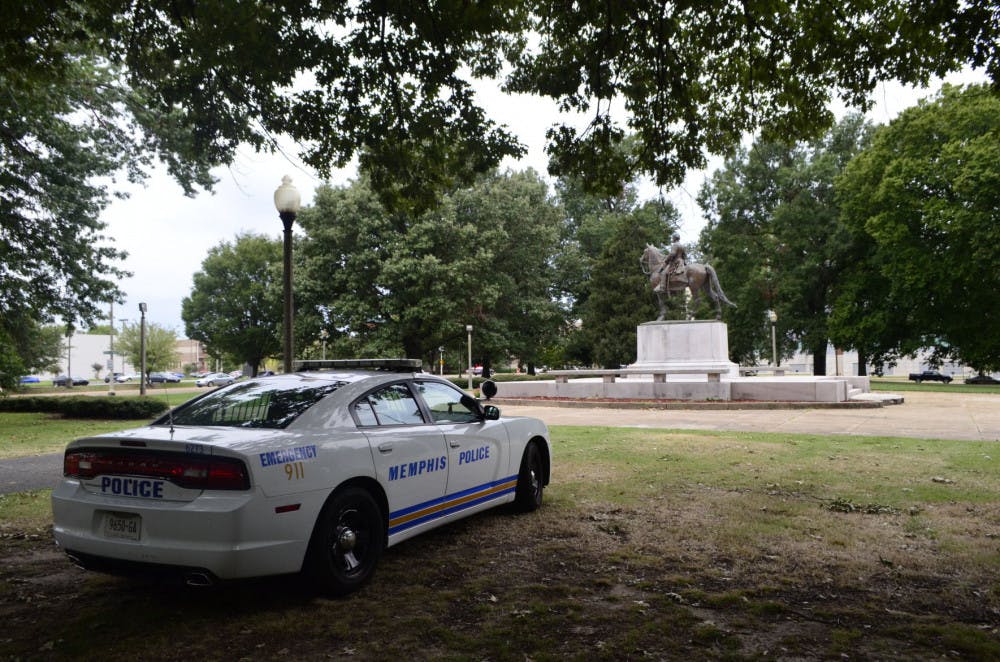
676, 260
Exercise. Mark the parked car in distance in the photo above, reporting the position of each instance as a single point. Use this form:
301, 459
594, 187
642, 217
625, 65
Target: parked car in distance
981, 379
30, 380
161, 377
214, 379
120, 378
929, 376
61, 380
315, 472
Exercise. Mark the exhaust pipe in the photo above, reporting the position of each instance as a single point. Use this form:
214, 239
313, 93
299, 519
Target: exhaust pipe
76, 560
197, 579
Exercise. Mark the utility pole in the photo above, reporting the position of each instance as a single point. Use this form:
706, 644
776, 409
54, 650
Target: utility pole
111, 349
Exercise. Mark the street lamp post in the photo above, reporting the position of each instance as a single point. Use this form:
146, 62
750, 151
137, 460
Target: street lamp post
287, 201
468, 329
142, 349
772, 317
111, 350
124, 323
323, 335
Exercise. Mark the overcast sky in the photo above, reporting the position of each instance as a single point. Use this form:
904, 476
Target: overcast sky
168, 235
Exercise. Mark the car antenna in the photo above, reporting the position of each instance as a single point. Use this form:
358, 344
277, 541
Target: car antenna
170, 410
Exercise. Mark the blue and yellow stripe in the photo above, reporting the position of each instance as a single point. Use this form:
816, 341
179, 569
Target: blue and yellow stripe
428, 511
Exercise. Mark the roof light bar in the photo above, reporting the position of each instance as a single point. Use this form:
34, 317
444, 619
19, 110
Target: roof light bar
388, 365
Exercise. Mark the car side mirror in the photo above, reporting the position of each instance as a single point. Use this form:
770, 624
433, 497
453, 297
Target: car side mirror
491, 412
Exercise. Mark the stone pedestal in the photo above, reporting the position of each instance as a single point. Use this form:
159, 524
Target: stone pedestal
697, 344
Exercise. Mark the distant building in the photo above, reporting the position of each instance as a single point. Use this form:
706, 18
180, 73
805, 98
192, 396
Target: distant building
82, 351
846, 363
191, 352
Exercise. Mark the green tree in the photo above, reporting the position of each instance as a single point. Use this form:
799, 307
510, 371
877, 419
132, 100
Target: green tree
775, 238
161, 346
69, 125
922, 207
28, 347
738, 201
383, 281
93, 90
235, 306
687, 79
102, 330
620, 297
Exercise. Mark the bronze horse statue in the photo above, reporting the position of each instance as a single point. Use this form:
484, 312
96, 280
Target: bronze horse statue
697, 278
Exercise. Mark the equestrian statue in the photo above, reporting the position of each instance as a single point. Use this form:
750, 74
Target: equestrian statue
672, 273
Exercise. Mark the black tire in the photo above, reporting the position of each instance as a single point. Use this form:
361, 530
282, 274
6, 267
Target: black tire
348, 541
530, 480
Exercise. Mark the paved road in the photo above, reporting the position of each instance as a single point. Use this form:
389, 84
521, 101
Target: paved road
963, 417
969, 417
38, 472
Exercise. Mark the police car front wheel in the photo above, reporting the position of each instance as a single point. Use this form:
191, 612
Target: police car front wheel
348, 541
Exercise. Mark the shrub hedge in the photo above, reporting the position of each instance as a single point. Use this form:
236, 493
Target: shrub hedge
86, 407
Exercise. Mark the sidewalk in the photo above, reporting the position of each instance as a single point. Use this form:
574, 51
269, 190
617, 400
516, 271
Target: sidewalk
968, 417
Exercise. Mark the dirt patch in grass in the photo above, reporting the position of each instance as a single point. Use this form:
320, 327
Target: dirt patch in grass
666, 579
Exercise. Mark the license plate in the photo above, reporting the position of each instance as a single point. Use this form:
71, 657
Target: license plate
122, 525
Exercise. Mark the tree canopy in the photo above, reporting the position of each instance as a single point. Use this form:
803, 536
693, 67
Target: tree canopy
235, 305
381, 281
96, 90
161, 346
774, 235
620, 297
921, 205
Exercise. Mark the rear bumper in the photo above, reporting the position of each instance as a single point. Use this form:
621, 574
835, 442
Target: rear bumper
225, 535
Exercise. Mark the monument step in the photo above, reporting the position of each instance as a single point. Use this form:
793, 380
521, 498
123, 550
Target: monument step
884, 398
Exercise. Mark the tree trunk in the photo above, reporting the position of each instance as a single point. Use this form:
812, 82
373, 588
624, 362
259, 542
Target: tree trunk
819, 360
862, 364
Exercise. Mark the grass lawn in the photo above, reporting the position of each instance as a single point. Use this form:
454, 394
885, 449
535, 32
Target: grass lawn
899, 384
650, 544
24, 434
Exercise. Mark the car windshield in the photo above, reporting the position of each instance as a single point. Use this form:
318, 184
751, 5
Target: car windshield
258, 404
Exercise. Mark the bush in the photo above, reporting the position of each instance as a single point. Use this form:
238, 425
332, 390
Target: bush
86, 407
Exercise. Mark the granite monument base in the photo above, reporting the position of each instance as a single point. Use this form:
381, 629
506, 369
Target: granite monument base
696, 345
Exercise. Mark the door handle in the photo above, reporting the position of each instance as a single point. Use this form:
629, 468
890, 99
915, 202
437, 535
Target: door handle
454, 444
385, 448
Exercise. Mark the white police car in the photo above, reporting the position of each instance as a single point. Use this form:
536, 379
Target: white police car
318, 470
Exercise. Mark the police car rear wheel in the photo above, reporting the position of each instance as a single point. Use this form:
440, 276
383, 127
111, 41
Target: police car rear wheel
528, 494
348, 542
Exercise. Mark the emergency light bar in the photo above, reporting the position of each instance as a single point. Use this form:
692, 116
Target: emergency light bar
388, 365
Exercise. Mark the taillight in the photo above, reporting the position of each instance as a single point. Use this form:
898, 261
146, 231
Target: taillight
200, 473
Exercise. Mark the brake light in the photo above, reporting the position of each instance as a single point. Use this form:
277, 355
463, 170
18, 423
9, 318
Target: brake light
200, 473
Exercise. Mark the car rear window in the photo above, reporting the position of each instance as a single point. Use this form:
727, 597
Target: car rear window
256, 404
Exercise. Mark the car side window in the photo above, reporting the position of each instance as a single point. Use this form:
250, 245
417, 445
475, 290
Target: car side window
363, 413
445, 403
391, 405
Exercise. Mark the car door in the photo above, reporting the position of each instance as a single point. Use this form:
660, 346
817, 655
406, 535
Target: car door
478, 450
410, 454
